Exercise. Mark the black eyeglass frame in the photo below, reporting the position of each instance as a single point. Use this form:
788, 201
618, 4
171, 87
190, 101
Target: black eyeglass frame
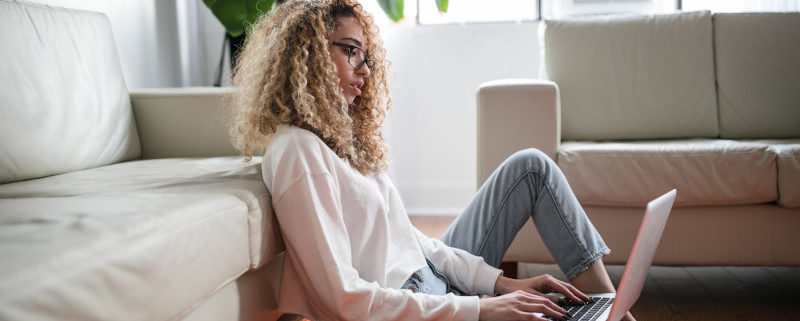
369, 62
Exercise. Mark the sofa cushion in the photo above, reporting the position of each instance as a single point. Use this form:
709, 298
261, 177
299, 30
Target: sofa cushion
788, 159
705, 172
634, 77
140, 240
758, 74
64, 105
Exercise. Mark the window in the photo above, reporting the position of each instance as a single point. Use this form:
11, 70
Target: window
553, 9
741, 5
471, 11
468, 11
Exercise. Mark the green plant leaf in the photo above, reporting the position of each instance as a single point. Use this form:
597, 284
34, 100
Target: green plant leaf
392, 8
441, 5
237, 15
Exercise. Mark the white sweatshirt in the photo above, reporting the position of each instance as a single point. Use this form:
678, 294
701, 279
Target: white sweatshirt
350, 245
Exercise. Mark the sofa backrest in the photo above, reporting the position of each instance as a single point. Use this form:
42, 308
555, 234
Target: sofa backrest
634, 77
758, 74
64, 105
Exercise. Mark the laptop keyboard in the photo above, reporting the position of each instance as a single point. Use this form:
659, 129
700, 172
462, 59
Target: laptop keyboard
587, 311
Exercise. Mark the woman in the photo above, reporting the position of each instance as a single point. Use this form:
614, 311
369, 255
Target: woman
312, 92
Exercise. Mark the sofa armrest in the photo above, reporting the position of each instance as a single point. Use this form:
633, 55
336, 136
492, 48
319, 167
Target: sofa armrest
181, 122
515, 114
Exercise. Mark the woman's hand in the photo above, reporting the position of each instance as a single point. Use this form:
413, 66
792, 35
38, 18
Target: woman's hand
540, 285
519, 305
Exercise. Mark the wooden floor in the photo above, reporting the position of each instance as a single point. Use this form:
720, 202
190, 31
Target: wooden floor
692, 293
708, 293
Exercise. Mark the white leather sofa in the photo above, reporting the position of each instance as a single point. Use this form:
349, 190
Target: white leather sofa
118, 205
637, 105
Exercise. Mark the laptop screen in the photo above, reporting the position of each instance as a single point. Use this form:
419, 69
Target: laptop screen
655, 218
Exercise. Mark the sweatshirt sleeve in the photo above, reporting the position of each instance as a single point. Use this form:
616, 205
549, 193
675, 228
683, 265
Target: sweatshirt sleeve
467, 272
311, 220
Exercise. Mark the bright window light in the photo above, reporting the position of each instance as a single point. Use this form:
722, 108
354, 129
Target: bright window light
468, 11
741, 5
472, 11
554, 9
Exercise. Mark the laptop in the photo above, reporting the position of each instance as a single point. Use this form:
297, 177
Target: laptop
614, 306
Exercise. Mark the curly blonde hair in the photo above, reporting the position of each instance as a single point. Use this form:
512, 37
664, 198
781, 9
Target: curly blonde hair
285, 75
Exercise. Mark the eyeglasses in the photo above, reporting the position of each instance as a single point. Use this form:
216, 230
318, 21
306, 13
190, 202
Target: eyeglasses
356, 56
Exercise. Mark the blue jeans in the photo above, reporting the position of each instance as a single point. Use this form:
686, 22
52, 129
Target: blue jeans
429, 280
527, 184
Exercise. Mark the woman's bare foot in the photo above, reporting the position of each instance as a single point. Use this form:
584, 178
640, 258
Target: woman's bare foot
628, 317
595, 280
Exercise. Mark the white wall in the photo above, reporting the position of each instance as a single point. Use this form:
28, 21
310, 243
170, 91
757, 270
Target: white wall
432, 127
